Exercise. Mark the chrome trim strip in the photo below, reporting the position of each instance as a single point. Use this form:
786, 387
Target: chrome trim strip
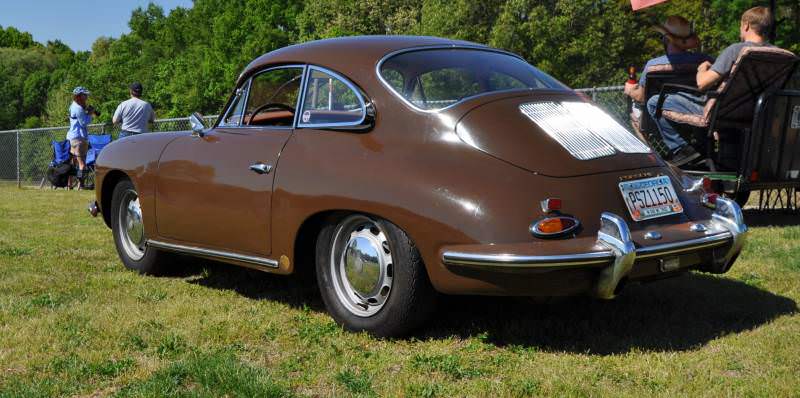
442, 47
684, 245
266, 262
346, 81
516, 261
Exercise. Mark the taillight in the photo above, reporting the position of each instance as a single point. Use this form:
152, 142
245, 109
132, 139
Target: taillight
710, 200
554, 226
551, 205
707, 185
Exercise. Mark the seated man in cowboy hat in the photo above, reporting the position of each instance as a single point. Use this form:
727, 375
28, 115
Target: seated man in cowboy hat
754, 28
678, 38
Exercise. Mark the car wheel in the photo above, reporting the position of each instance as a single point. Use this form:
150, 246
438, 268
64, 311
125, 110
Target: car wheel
371, 276
128, 228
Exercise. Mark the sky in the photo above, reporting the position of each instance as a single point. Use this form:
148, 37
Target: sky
77, 23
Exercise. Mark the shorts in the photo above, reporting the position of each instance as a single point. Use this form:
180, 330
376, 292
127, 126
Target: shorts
79, 147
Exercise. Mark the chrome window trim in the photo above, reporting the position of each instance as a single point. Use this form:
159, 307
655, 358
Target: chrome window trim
249, 84
347, 82
239, 92
261, 261
446, 47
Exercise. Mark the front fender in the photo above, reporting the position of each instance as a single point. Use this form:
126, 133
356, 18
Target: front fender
135, 157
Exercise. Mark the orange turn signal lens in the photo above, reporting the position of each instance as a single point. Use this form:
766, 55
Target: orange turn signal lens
550, 227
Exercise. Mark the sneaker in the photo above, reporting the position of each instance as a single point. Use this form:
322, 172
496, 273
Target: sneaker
684, 155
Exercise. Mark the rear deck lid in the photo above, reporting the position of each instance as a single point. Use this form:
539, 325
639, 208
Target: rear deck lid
554, 136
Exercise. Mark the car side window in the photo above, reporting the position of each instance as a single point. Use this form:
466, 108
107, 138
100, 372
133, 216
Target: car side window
272, 97
330, 101
501, 81
446, 86
235, 112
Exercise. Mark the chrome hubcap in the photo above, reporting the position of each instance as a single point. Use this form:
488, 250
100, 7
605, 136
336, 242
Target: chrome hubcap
131, 226
361, 265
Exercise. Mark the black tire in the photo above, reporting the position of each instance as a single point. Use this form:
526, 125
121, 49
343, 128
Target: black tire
150, 259
411, 298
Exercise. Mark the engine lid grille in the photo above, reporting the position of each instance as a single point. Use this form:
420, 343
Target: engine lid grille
583, 129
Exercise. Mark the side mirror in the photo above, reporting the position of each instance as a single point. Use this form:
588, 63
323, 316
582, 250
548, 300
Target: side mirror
196, 121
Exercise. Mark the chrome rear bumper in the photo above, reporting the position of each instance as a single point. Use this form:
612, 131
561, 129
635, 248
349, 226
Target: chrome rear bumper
615, 252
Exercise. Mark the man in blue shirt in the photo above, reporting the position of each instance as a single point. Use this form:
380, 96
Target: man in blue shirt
80, 117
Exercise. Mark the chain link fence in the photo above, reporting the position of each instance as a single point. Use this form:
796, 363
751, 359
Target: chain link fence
26, 154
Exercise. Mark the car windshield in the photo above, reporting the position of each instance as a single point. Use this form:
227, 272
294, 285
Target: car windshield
437, 78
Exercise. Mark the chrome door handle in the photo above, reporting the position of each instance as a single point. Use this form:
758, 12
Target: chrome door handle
261, 168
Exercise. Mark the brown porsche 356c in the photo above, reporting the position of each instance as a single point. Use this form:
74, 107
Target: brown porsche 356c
402, 167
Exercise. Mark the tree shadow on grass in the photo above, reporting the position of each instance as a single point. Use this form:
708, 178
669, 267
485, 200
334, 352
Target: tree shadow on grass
676, 314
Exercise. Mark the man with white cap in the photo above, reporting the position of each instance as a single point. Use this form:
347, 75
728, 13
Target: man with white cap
678, 38
80, 117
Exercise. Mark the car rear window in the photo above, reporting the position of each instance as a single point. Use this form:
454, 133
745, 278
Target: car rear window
433, 79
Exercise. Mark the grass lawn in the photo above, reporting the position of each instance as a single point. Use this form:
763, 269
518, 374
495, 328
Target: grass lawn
74, 322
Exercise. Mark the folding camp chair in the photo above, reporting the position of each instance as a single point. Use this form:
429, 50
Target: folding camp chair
96, 144
657, 77
61, 155
748, 141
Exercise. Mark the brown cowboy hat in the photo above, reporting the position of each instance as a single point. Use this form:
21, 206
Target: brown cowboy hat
679, 32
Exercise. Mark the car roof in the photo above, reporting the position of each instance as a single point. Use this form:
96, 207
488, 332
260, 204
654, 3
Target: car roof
347, 55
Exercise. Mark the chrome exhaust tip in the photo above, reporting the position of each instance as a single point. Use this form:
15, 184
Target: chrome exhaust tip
93, 209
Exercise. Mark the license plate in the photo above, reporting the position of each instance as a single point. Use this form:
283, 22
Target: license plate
650, 198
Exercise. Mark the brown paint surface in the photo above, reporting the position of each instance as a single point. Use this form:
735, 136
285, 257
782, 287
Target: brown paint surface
411, 169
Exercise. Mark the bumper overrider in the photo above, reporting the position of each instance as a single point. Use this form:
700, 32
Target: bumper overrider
614, 252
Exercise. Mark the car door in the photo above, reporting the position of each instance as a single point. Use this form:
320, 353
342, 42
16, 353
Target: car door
214, 190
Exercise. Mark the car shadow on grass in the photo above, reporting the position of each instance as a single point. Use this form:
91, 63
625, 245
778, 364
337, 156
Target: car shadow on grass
771, 218
676, 314
298, 290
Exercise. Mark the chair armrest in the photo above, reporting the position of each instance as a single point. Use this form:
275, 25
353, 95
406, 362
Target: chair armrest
670, 88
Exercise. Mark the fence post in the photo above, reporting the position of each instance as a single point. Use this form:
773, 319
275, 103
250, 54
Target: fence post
19, 180
594, 94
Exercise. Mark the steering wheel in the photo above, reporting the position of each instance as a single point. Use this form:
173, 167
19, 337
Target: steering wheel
271, 105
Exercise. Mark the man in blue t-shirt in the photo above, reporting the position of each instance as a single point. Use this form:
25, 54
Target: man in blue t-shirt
80, 117
754, 28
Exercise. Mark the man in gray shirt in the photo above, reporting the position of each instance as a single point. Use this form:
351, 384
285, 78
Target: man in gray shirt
134, 114
754, 28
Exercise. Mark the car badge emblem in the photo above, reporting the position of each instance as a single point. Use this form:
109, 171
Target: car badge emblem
652, 235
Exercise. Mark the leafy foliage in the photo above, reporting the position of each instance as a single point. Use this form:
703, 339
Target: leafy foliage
188, 59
